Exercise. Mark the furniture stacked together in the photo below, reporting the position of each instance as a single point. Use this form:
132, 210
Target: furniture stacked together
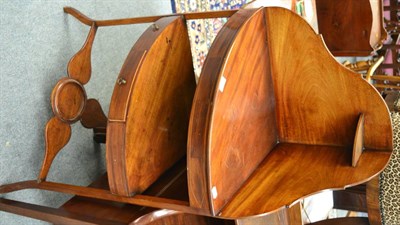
273, 119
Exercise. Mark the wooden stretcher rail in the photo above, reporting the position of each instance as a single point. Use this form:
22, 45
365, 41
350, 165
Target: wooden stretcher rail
148, 19
56, 216
95, 193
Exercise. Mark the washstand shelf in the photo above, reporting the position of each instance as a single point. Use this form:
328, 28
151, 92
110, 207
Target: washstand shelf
274, 118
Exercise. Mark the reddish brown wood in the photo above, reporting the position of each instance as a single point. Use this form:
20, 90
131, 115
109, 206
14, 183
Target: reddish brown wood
346, 26
308, 109
148, 19
57, 135
352, 199
93, 116
80, 67
344, 221
143, 200
68, 100
201, 112
150, 107
239, 115
374, 215
267, 117
49, 214
83, 210
285, 216
286, 176
243, 125
162, 217
358, 146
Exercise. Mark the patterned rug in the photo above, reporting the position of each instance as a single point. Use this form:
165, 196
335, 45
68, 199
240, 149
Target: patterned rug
202, 32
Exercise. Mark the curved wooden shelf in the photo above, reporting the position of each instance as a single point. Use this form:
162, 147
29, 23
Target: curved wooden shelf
272, 112
274, 119
291, 172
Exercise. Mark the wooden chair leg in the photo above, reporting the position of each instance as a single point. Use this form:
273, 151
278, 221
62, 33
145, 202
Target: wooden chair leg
374, 214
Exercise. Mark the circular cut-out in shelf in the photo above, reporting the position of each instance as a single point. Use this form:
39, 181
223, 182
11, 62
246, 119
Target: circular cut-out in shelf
68, 100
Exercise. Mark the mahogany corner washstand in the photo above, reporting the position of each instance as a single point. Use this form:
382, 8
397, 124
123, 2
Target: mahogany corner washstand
273, 119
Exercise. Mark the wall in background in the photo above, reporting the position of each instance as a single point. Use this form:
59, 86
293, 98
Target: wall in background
36, 42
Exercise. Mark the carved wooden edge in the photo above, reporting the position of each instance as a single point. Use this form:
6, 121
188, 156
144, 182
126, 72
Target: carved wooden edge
70, 89
118, 110
79, 66
148, 19
62, 107
57, 135
134, 138
154, 216
200, 118
358, 146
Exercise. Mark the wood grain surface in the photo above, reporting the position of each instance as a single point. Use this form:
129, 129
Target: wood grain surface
293, 171
147, 19
200, 118
243, 119
373, 205
264, 83
68, 100
358, 146
318, 101
346, 26
150, 108
80, 66
57, 135
93, 116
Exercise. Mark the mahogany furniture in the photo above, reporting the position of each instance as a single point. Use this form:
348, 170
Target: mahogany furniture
264, 110
351, 27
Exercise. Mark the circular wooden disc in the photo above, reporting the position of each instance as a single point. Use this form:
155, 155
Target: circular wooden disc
68, 100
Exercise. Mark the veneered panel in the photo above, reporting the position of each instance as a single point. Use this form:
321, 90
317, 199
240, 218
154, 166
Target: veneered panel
243, 127
158, 89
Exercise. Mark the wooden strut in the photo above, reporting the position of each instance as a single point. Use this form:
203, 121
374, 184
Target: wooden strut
142, 200
71, 89
148, 19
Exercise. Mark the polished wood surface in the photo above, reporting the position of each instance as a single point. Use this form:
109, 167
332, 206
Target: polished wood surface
309, 112
147, 19
243, 129
198, 137
358, 146
80, 67
170, 185
48, 214
150, 108
373, 204
95, 193
84, 210
57, 135
93, 116
286, 176
351, 199
318, 103
68, 100
69, 104
346, 26
270, 124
